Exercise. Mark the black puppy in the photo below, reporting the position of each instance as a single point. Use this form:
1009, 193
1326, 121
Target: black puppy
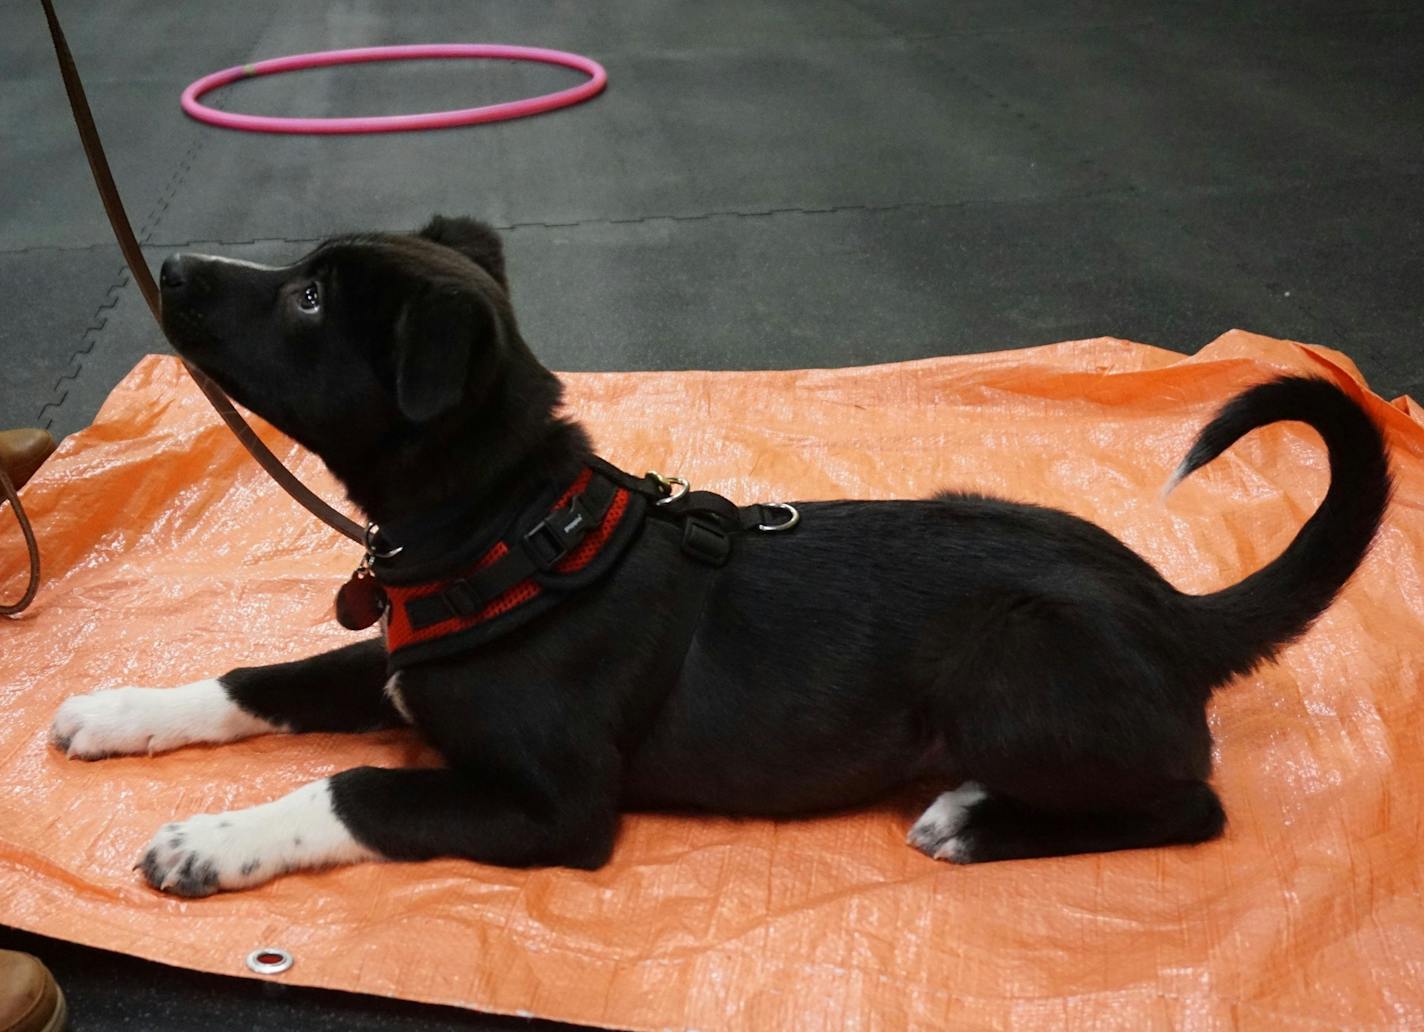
574, 649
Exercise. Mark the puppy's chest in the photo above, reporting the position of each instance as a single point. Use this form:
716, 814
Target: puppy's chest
393, 692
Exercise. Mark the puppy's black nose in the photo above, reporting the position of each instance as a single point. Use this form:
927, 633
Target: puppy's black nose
174, 274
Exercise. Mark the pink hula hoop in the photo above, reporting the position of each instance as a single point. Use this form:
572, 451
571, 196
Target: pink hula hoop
598, 78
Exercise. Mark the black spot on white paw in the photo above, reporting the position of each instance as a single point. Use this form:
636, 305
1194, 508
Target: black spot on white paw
250, 867
189, 876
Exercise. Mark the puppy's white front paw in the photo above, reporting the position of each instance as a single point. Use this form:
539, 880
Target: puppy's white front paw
119, 722
215, 852
129, 721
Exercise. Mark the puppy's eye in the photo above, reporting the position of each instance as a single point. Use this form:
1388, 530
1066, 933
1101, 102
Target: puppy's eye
309, 300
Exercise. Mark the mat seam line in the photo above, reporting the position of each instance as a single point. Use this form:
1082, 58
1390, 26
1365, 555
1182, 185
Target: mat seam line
633, 220
90, 337
1110, 189
60, 392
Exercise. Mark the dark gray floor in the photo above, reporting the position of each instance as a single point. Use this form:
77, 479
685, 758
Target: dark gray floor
780, 184
786, 183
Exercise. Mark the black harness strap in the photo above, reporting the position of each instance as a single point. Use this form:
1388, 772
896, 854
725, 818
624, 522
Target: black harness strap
542, 556
689, 602
709, 521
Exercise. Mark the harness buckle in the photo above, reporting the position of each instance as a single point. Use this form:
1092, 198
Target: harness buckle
556, 534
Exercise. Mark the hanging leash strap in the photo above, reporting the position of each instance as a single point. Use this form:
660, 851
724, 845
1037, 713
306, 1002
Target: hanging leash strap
133, 257
13, 496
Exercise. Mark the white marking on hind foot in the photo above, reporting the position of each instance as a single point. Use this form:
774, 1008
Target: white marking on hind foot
126, 721
213, 852
934, 833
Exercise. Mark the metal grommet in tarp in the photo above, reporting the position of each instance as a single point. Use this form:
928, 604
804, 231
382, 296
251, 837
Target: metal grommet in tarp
269, 960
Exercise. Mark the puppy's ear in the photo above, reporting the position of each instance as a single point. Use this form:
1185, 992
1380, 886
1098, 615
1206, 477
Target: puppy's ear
472, 238
435, 340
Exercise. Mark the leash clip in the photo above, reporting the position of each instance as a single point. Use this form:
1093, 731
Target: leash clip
373, 531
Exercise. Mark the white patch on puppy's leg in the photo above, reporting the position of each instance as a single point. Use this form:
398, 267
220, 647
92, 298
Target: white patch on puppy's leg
213, 852
125, 721
393, 692
934, 833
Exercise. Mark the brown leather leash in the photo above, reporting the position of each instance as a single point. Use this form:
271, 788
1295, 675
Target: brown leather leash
11, 608
133, 257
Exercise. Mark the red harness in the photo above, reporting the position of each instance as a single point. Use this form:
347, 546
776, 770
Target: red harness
546, 552
400, 632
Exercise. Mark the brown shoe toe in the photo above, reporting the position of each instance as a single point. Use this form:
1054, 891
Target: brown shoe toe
21, 453
30, 1000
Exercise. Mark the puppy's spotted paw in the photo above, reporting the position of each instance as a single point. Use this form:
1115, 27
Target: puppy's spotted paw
242, 848
936, 833
199, 856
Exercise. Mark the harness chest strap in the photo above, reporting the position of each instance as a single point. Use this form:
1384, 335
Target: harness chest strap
532, 567
543, 548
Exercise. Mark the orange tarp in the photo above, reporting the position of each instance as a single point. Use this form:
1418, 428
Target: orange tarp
171, 557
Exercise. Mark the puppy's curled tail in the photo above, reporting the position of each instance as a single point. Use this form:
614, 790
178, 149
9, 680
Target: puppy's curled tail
1251, 620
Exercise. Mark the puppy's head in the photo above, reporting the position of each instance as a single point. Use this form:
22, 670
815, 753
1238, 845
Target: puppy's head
365, 345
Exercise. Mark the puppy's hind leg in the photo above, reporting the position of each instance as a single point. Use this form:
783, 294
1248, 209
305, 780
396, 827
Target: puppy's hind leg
1079, 741
935, 833
997, 827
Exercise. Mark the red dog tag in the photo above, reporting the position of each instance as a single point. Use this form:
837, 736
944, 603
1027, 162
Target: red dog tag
360, 602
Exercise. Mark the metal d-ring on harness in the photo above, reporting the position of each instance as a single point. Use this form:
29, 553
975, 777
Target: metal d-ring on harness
675, 487
709, 520
793, 517
678, 486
